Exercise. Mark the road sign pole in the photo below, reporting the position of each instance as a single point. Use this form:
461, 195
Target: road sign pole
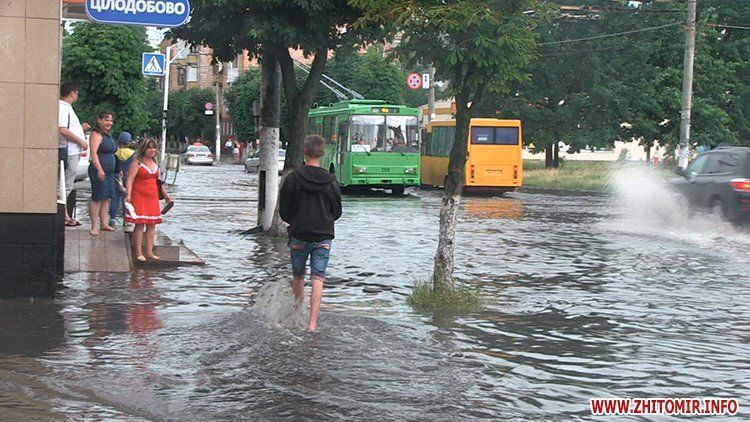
167, 65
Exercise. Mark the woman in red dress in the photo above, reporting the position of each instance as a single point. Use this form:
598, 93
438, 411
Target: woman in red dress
143, 195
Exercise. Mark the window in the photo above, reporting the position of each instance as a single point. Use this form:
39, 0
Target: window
343, 135
483, 135
441, 141
728, 163
180, 76
367, 133
712, 164
192, 74
401, 134
698, 164
315, 126
506, 136
494, 135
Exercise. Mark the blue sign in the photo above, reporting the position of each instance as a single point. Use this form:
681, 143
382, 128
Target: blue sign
153, 64
162, 13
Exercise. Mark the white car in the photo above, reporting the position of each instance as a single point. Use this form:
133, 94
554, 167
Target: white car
199, 154
252, 163
82, 173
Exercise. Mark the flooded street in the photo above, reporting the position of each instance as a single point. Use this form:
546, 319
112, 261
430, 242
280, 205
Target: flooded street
588, 295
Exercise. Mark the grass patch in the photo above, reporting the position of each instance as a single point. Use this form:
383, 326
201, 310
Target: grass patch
576, 175
462, 299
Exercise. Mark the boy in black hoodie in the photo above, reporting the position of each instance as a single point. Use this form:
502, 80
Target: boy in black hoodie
310, 203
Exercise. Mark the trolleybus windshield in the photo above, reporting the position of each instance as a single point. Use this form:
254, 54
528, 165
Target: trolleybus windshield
374, 133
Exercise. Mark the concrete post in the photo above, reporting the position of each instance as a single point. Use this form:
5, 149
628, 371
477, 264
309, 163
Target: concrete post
687, 84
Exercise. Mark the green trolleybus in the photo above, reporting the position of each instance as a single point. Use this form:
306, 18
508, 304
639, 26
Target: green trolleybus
369, 143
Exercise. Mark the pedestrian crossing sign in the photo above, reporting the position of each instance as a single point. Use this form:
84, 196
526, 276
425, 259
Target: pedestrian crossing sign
152, 64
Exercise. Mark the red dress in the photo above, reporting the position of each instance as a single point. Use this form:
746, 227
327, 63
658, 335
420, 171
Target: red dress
145, 197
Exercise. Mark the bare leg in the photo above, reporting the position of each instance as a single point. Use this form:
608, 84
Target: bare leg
94, 207
104, 216
138, 242
298, 287
315, 298
150, 235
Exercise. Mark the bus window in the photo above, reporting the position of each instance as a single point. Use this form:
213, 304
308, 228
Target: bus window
401, 135
506, 136
343, 133
441, 142
327, 125
368, 131
482, 135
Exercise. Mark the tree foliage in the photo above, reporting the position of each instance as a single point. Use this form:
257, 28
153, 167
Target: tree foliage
105, 61
239, 99
187, 119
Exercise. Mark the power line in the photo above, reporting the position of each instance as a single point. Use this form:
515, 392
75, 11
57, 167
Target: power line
613, 35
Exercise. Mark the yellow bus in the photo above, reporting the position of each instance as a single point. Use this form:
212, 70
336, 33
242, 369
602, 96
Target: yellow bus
494, 147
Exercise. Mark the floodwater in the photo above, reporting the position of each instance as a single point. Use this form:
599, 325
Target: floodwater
587, 296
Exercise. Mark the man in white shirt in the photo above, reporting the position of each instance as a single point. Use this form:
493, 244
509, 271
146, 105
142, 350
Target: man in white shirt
72, 139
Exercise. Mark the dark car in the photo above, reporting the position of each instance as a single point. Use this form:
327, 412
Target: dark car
718, 181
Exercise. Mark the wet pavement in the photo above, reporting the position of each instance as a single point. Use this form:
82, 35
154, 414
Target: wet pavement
587, 296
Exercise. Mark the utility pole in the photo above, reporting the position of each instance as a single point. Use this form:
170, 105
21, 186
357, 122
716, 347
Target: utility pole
165, 108
687, 83
268, 167
217, 155
431, 95
168, 65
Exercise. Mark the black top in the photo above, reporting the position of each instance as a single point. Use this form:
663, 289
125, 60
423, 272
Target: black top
310, 203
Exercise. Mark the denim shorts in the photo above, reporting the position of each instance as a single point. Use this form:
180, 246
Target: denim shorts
319, 252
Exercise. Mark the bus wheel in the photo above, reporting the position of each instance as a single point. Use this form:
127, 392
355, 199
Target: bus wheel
397, 190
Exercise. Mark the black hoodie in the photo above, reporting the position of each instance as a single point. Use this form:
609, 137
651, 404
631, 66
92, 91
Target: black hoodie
310, 203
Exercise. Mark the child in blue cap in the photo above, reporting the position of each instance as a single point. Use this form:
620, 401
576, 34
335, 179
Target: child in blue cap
124, 156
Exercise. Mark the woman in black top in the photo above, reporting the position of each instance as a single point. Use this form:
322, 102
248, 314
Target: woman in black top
102, 172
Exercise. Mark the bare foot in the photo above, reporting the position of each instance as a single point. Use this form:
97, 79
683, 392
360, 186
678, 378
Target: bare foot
141, 258
95, 232
154, 257
108, 229
312, 327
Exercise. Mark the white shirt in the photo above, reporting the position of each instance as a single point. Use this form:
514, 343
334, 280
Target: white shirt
67, 118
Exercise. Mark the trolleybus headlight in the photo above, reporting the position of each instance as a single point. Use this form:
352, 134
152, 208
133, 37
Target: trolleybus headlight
360, 170
410, 170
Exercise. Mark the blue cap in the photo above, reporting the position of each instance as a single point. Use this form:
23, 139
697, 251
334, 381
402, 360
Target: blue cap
124, 138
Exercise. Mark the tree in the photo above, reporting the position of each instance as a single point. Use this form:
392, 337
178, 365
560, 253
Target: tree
105, 61
239, 100
477, 46
370, 74
187, 119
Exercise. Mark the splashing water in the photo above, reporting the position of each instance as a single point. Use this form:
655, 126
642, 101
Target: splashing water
275, 304
646, 205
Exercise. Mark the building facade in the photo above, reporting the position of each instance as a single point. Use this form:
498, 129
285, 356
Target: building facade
31, 223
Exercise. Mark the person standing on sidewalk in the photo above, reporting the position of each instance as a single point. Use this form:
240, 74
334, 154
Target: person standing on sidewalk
102, 172
310, 202
143, 199
123, 158
72, 140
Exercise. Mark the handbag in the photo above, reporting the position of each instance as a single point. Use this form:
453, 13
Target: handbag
62, 155
159, 186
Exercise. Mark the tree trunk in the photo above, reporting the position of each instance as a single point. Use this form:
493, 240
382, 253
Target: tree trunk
556, 155
268, 169
548, 157
647, 149
443, 270
299, 105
